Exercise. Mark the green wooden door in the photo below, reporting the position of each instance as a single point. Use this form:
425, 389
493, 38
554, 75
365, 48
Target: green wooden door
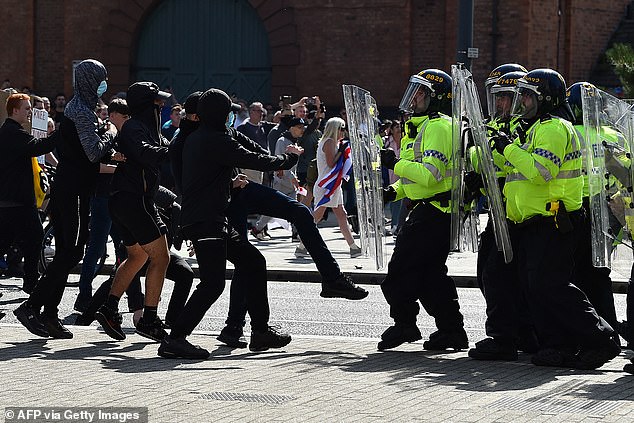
194, 45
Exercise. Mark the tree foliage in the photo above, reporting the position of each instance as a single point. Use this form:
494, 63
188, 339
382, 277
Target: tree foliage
621, 56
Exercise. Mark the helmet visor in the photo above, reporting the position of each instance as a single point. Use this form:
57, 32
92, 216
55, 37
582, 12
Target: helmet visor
503, 99
416, 82
525, 102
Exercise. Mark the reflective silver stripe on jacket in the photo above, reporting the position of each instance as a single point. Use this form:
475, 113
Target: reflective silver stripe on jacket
564, 174
418, 154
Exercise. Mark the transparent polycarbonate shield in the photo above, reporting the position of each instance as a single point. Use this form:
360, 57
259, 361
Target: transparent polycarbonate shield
362, 114
468, 92
608, 134
464, 220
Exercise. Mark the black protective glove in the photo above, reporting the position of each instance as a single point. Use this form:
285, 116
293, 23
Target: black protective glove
389, 194
343, 146
501, 141
388, 158
473, 181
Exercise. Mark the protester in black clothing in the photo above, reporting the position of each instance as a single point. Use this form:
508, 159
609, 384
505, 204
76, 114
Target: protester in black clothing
210, 155
18, 212
178, 271
134, 213
187, 126
79, 151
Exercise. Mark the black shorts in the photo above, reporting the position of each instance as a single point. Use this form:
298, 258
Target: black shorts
136, 218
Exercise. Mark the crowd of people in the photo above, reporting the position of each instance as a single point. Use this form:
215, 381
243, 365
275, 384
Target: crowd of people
150, 173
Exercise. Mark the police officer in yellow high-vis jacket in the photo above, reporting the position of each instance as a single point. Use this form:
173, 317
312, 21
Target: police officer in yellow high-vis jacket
543, 193
417, 269
595, 282
508, 325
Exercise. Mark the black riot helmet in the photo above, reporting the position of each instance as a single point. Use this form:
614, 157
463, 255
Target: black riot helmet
547, 89
505, 86
573, 97
437, 84
493, 78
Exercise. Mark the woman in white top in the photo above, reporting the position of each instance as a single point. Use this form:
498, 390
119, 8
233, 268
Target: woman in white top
329, 151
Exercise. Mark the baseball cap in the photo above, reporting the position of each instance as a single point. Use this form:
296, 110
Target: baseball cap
296, 122
191, 103
146, 91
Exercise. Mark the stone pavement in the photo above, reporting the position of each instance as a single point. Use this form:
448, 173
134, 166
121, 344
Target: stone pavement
314, 379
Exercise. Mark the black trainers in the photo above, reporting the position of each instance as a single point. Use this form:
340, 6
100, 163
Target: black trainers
30, 319
629, 367
232, 336
555, 357
181, 348
593, 358
443, 340
397, 335
110, 320
342, 287
269, 338
492, 349
155, 329
55, 328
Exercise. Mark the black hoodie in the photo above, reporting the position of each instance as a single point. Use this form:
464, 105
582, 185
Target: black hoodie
210, 154
144, 147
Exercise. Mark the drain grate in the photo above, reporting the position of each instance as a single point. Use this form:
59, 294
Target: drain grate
237, 396
560, 399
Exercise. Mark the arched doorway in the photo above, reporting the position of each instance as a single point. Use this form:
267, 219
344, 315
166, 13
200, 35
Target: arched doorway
193, 45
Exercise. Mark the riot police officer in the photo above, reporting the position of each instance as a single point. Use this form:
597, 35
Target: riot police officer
543, 191
595, 282
417, 269
508, 325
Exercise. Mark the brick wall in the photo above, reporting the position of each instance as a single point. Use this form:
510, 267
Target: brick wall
317, 46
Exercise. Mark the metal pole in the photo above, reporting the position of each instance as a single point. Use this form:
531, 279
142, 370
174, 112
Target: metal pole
465, 31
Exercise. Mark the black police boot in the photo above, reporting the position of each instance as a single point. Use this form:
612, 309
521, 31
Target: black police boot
555, 357
595, 357
232, 336
443, 340
397, 335
492, 349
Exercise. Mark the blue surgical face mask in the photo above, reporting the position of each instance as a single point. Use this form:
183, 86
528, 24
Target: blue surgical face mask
230, 119
102, 88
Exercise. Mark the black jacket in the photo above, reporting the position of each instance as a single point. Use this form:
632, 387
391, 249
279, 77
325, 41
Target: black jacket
144, 147
209, 158
16, 170
186, 127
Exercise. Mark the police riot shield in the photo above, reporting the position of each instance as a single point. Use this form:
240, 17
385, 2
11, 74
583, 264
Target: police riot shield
608, 140
471, 115
362, 116
464, 230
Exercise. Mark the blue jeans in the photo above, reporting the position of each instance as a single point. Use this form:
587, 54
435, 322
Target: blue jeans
100, 227
256, 198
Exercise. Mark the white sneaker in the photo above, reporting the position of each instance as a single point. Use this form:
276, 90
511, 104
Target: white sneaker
301, 252
355, 251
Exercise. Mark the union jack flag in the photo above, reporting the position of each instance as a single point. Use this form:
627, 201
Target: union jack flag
333, 179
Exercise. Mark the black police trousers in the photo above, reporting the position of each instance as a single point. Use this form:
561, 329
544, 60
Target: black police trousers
417, 271
508, 317
595, 282
20, 226
561, 312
